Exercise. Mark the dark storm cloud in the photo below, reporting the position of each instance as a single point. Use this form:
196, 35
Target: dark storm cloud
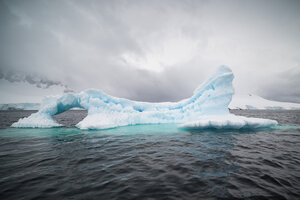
150, 50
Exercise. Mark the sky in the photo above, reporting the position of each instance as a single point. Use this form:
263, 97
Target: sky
158, 50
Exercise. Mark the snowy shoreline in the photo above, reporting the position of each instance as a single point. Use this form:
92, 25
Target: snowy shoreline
254, 102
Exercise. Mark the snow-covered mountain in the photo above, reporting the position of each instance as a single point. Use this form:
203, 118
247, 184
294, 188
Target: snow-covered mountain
244, 102
20, 106
251, 102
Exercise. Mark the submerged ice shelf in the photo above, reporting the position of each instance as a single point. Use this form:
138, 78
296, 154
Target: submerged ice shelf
207, 108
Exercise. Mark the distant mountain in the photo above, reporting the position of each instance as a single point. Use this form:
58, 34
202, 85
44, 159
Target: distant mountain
20, 106
243, 102
251, 102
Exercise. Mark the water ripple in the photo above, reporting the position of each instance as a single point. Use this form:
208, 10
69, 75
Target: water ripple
160, 162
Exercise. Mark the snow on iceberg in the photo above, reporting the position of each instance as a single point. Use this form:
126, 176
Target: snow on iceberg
229, 121
209, 104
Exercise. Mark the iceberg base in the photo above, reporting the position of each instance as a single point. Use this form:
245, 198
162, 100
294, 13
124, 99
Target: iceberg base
229, 121
36, 120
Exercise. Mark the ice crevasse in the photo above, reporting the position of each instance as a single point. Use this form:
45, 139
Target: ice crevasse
206, 108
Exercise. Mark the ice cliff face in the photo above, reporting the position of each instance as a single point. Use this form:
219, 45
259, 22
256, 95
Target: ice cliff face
209, 100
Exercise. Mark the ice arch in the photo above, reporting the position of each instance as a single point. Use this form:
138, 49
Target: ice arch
207, 108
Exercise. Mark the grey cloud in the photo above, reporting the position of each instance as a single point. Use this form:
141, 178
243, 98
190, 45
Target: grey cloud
286, 88
79, 44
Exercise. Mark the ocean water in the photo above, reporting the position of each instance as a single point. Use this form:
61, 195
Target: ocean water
149, 161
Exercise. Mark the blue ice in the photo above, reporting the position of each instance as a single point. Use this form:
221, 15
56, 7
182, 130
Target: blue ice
206, 108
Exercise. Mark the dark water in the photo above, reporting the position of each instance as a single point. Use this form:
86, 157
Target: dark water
149, 161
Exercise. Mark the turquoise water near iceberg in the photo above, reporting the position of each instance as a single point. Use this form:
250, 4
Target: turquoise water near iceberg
149, 161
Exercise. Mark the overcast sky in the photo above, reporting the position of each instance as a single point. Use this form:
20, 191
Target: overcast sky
147, 50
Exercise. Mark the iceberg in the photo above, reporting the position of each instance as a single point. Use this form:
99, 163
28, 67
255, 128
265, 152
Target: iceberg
239, 102
206, 108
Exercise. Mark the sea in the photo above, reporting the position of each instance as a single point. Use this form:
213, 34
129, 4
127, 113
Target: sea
157, 161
